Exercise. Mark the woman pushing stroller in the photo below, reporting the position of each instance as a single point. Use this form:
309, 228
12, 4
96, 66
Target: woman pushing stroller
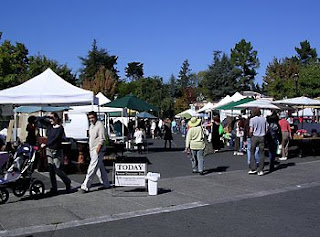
55, 135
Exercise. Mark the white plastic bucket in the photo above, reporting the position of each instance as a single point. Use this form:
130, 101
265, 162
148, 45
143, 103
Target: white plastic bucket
153, 183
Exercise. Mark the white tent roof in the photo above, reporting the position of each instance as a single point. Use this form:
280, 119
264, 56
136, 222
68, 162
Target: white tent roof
305, 112
188, 111
237, 96
300, 101
88, 108
46, 88
102, 99
207, 107
223, 101
262, 104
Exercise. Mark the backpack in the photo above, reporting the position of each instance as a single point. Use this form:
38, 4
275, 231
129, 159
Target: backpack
273, 131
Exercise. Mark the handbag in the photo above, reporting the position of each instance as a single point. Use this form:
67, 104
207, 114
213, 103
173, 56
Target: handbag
207, 145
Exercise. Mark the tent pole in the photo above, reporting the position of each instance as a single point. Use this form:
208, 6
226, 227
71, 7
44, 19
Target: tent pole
108, 123
302, 116
15, 130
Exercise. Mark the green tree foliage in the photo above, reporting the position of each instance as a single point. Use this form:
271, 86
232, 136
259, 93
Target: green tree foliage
150, 89
103, 81
95, 59
309, 80
279, 78
306, 54
245, 59
184, 76
173, 86
13, 64
180, 105
134, 71
220, 79
39, 63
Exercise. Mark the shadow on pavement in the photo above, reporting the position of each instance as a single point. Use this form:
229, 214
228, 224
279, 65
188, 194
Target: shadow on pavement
162, 149
134, 159
218, 169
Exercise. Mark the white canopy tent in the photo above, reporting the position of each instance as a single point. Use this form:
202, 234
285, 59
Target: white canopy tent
102, 99
46, 89
302, 101
308, 112
231, 113
207, 108
237, 96
262, 104
187, 114
223, 101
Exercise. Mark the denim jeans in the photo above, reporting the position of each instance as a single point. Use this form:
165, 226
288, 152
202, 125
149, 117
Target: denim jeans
257, 142
256, 154
197, 160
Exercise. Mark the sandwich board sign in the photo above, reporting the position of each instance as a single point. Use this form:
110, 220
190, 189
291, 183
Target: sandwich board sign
130, 174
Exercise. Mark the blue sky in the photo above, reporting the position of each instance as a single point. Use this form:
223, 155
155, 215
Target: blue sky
160, 34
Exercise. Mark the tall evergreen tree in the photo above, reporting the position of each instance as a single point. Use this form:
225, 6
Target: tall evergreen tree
173, 86
134, 71
184, 76
95, 59
220, 79
246, 61
306, 54
279, 78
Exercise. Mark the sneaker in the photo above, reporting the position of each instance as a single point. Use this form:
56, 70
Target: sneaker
240, 154
252, 172
235, 153
260, 173
83, 191
283, 158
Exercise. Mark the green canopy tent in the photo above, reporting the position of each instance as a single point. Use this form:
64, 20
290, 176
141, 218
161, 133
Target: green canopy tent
146, 115
131, 102
231, 105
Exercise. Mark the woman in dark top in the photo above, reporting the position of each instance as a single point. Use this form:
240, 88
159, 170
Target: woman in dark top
55, 135
215, 136
167, 133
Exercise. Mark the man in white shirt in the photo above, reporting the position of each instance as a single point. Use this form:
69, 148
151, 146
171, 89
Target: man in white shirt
96, 148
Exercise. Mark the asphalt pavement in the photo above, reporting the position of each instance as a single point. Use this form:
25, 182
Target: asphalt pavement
226, 201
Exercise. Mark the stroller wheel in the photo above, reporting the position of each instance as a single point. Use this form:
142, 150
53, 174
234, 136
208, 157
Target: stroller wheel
20, 188
4, 195
36, 189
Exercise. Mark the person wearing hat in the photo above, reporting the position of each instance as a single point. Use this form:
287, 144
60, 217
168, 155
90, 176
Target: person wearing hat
195, 143
286, 136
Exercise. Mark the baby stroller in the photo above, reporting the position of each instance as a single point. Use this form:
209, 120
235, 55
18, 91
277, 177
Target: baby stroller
18, 176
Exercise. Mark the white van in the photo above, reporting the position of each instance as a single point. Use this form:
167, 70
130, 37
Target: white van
76, 125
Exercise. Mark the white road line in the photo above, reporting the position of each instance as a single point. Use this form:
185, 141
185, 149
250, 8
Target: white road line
97, 220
